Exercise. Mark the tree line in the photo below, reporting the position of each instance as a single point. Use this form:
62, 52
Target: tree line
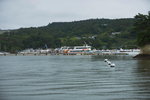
99, 33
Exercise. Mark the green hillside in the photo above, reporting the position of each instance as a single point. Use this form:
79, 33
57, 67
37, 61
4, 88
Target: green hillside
99, 33
142, 28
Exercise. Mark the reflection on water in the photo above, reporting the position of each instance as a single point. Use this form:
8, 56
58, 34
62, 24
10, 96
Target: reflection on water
73, 78
143, 67
143, 77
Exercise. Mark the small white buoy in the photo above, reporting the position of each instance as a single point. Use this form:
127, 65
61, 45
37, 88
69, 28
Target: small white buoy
105, 60
112, 65
109, 63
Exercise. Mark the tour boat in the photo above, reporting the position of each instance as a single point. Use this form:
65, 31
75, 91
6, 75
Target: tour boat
76, 49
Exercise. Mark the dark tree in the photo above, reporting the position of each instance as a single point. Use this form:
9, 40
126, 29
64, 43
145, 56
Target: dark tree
142, 28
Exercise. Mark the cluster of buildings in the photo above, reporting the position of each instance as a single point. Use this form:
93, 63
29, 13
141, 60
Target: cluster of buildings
76, 50
80, 50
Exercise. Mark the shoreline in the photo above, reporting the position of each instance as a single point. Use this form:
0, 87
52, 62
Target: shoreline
51, 54
142, 56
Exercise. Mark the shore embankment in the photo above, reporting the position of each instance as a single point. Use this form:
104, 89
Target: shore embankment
142, 56
131, 52
50, 54
145, 53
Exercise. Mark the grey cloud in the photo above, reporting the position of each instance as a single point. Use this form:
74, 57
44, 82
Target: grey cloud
27, 13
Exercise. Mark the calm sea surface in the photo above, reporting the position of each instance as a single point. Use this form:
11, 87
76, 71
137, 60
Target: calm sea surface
73, 78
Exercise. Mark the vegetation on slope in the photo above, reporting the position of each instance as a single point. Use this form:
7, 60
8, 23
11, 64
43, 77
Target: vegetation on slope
142, 28
99, 33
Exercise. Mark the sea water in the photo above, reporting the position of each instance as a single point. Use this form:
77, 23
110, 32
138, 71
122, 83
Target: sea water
74, 78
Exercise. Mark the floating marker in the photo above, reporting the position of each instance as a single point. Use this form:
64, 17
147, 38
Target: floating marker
109, 63
105, 60
112, 65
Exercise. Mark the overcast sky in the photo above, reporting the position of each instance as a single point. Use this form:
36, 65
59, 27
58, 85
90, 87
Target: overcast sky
32, 13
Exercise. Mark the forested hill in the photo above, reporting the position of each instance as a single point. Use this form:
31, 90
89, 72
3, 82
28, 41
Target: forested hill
99, 33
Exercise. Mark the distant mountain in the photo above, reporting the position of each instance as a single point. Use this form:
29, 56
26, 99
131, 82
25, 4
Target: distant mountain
99, 33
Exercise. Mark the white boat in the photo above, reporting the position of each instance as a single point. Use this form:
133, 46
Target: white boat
4, 53
80, 49
1, 53
76, 49
132, 52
